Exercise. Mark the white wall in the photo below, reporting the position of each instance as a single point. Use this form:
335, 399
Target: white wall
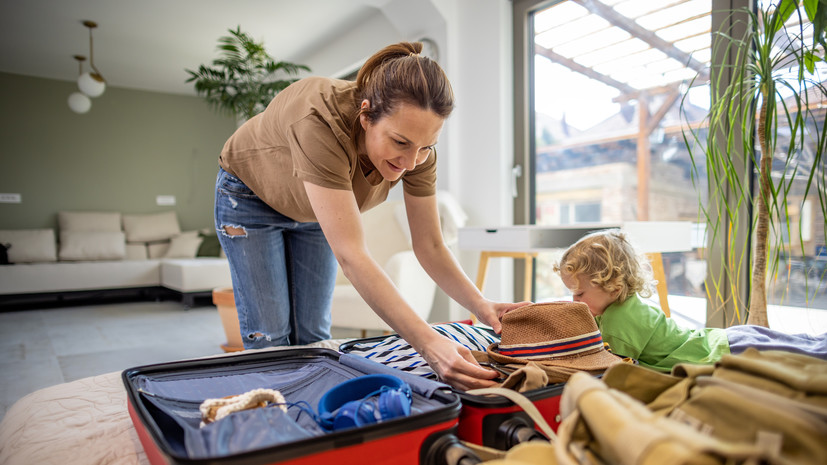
479, 64
474, 39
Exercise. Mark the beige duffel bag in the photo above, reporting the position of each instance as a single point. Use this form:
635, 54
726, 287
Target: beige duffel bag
752, 408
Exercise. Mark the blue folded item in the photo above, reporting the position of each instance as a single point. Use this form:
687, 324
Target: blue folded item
364, 400
245, 431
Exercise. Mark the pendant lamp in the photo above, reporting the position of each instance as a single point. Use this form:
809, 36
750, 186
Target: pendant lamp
91, 83
78, 102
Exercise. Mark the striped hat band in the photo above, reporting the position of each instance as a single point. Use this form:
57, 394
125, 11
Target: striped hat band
554, 349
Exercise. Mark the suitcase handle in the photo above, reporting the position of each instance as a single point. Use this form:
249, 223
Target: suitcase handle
523, 402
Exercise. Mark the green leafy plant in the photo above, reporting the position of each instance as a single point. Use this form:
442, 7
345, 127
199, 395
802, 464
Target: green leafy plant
774, 94
243, 80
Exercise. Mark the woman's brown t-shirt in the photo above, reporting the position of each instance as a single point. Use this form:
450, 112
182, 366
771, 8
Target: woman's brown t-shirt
304, 135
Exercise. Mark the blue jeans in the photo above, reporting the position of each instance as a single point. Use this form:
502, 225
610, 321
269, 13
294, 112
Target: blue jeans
283, 271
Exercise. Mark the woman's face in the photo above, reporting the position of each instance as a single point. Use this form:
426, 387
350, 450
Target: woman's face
584, 291
401, 140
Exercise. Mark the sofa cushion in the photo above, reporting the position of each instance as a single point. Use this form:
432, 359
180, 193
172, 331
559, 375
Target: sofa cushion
151, 227
89, 221
30, 278
157, 249
184, 246
195, 275
30, 245
136, 252
92, 245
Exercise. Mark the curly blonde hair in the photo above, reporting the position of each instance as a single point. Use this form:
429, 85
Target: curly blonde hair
611, 263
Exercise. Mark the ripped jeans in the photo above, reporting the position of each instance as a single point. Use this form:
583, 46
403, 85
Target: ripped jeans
283, 271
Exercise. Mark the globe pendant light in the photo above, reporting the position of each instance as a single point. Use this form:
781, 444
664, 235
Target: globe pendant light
91, 83
78, 102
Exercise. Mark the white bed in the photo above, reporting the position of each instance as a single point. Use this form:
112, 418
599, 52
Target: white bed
81, 422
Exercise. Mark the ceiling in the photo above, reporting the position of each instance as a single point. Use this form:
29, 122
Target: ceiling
147, 44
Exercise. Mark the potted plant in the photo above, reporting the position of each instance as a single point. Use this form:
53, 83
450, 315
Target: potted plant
774, 93
243, 80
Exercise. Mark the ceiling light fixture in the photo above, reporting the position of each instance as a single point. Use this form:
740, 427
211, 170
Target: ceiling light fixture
91, 83
78, 102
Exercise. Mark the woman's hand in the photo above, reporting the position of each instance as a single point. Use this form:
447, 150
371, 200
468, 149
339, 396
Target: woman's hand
491, 313
455, 365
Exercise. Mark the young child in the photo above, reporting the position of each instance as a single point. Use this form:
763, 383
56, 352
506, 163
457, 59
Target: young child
603, 271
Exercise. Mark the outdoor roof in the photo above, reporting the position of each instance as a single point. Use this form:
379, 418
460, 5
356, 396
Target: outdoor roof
633, 45
630, 45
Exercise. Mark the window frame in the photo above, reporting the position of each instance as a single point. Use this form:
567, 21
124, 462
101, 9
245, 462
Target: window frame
524, 144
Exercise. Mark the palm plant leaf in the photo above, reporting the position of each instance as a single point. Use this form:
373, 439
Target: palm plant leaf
770, 82
243, 80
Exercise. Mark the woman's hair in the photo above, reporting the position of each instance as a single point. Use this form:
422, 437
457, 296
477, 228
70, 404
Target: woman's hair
610, 262
399, 74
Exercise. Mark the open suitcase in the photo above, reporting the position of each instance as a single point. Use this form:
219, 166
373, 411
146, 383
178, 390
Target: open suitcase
490, 421
164, 404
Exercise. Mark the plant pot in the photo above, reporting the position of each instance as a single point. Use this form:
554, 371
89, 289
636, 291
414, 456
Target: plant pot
223, 298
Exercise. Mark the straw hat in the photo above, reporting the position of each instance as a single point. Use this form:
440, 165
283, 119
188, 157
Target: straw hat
561, 334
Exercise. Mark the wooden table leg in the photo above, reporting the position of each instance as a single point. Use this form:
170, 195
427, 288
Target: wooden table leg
482, 270
656, 260
527, 257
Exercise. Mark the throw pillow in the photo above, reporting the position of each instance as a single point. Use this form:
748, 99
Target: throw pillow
210, 247
151, 227
89, 221
4, 254
30, 245
92, 245
183, 246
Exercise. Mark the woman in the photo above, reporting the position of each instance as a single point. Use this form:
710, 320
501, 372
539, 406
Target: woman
292, 184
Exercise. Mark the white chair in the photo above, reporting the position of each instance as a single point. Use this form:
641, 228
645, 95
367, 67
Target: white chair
388, 238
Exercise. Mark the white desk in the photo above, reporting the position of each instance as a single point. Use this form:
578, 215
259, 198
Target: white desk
526, 241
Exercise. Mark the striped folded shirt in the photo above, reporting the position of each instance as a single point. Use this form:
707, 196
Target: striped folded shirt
395, 352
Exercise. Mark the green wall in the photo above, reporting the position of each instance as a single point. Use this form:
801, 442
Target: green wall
129, 148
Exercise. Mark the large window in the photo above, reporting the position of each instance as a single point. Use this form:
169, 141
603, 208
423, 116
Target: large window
612, 86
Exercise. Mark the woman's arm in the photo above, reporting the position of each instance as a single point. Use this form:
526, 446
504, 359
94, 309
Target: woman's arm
339, 217
441, 265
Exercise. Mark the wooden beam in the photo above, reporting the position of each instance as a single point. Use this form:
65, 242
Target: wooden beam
586, 71
654, 121
627, 24
665, 89
625, 135
643, 159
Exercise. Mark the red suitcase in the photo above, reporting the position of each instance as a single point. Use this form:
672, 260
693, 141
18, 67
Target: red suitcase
490, 421
497, 422
163, 402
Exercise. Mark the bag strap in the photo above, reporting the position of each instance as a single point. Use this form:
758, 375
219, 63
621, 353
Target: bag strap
523, 402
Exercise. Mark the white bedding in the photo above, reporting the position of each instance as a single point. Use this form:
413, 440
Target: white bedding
81, 422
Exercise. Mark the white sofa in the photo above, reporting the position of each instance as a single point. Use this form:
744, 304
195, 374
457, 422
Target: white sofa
106, 251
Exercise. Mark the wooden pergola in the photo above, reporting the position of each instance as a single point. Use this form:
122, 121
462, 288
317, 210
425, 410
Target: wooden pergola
691, 27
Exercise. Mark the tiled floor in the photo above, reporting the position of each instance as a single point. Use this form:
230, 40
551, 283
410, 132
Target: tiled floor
51, 346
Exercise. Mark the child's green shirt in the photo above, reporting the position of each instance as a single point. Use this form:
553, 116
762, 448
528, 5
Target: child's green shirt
637, 330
